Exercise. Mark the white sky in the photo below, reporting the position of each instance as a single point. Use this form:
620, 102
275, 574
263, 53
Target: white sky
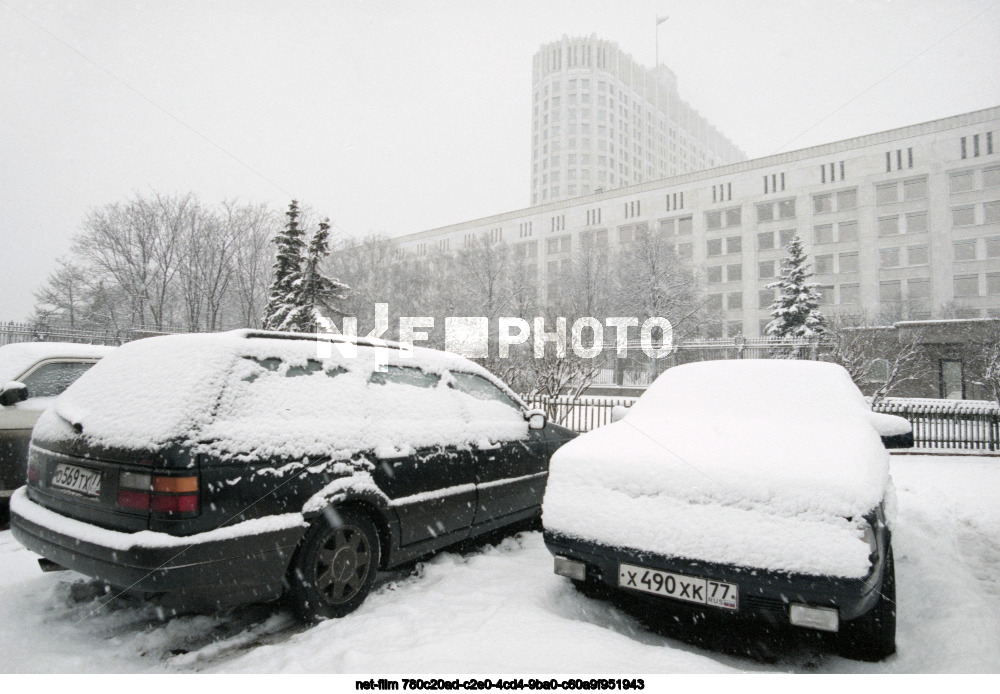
396, 117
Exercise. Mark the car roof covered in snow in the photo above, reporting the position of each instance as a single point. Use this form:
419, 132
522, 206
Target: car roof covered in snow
235, 392
18, 357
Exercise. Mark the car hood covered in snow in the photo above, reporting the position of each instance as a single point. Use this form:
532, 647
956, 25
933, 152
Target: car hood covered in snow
765, 464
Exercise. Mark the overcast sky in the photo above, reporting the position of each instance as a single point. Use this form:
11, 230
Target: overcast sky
395, 117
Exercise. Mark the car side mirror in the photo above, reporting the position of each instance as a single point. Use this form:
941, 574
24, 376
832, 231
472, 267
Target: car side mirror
618, 412
536, 419
12, 393
896, 432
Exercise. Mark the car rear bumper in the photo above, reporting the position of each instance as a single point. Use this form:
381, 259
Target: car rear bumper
763, 595
230, 566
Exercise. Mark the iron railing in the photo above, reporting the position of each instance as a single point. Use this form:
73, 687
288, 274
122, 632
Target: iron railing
949, 425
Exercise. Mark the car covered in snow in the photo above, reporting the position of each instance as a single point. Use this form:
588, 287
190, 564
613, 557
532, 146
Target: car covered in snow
743, 489
31, 374
215, 470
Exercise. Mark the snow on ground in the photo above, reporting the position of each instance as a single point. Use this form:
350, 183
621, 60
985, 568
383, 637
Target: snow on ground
498, 608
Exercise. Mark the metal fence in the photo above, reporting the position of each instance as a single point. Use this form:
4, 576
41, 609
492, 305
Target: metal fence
11, 332
950, 425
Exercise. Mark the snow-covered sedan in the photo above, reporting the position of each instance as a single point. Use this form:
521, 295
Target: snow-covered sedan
220, 469
749, 488
31, 374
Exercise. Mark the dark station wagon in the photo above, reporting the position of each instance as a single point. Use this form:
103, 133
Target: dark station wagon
215, 470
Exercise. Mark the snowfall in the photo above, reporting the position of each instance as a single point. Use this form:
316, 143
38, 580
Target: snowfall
497, 608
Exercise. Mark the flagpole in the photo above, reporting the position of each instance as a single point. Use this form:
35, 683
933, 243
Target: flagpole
659, 21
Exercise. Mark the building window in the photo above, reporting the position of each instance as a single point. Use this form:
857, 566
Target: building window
785, 237
964, 150
991, 212
824, 265
961, 182
993, 247
918, 289
888, 226
765, 212
714, 247
848, 262
966, 285
764, 298
963, 216
734, 301
734, 273
713, 274
765, 269
915, 189
889, 292
823, 233
765, 240
850, 294
847, 199
993, 283
991, 177
964, 250
684, 224
786, 209
825, 292
848, 231
823, 203
734, 244
952, 381
917, 255
885, 194
916, 222
888, 258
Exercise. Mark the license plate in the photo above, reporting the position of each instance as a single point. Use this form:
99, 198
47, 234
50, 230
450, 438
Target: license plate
77, 479
679, 587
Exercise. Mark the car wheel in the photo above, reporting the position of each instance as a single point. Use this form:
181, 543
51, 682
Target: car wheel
335, 566
872, 636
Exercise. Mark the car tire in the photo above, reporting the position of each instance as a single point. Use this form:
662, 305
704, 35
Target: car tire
335, 566
872, 636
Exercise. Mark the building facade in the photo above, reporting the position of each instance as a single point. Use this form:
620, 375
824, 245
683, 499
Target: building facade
601, 121
904, 224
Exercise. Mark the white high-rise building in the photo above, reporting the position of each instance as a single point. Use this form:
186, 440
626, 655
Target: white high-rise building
601, 121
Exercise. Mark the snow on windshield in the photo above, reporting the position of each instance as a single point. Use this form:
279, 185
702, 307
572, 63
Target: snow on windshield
270, 397
753, 462
15, 359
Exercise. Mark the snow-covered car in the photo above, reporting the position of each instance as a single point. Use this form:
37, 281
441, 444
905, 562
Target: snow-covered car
31, 374
750, 489
215, 470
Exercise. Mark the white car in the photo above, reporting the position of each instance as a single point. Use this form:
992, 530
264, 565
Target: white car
747, 489
31, 374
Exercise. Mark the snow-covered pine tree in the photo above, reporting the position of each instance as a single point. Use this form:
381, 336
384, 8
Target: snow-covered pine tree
314, 290
796, 308
281, 298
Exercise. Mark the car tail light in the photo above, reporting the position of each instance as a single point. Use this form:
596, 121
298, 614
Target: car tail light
174, 494
32, 474
158, 493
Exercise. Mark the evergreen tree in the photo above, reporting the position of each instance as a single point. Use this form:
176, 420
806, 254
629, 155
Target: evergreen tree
314, 290
281, 299
796, 308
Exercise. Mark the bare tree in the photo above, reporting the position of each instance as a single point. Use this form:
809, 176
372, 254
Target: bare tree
63, 294
252, 227
879, 358
138, 245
